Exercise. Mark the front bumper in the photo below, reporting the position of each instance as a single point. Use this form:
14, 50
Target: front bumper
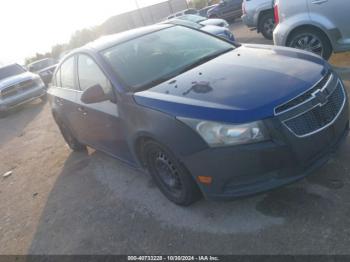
248, 21
22, 98
250, 169
280, 35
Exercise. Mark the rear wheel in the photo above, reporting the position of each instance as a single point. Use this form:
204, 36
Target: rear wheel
72, 142
267, 25
170, 175
311, 40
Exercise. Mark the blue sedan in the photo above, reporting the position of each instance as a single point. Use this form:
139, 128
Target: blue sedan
203, 116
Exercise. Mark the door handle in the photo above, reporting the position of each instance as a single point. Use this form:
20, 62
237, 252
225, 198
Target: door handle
82, 110
59, 101
319, 2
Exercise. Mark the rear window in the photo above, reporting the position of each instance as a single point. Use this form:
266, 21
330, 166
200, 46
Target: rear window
11, 70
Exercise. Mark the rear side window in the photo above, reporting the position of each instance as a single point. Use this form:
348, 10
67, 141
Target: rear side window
67, 74
90, 74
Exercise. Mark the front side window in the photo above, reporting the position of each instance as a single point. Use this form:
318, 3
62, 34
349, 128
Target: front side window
90, 74
67, 74
161, 55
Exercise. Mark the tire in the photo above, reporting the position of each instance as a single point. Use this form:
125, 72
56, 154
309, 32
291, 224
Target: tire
312, 40
71, 141
267, 25
171, 177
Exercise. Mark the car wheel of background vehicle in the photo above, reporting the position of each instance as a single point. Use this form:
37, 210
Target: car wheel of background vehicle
311, 40
72, 142
169, 174
267, 25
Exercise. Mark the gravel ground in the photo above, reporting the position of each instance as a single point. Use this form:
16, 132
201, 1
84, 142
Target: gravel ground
59, 202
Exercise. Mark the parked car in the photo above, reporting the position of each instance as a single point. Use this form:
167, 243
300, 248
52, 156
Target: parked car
204, 11
204, 21
44, 68
18, 86
218, 31
203, 116
227, 9
190, 11
319, 26
258, 14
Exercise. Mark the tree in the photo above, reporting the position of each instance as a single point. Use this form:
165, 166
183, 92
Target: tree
198, 4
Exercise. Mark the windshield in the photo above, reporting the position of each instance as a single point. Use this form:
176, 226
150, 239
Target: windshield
37, 66
159, 56
193, 18
11, 70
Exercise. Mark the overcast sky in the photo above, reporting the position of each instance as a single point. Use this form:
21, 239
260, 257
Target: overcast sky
30, 26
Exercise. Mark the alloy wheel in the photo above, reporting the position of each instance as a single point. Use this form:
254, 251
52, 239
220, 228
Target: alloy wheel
308, 42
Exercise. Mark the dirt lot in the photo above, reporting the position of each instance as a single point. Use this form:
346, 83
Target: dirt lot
59, 202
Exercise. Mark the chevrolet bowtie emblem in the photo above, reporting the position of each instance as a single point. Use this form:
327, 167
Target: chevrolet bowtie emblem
320, 97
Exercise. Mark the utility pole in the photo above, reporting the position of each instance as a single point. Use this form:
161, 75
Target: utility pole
170, 7
140, 12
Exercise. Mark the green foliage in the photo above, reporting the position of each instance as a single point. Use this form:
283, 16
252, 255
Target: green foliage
198, 4
37, 56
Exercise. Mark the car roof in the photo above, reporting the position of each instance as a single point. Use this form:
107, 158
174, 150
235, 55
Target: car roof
41, 60
105, 42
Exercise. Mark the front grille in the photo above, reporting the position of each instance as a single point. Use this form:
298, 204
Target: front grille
303, 97
8, 91
320, 116
15, 89
29, 84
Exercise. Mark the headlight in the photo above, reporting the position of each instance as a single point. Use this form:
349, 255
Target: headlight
219, 134
38, 81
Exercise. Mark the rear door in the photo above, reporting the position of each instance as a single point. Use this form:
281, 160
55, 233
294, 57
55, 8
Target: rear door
100, 123
336, 11
64, 94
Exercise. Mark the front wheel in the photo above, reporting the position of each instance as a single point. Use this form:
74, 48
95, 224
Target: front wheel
311, 40
72, 142
169, 174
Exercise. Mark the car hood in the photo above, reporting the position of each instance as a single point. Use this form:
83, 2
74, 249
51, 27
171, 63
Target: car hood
213, 21
13, 80
49, 68
243, 85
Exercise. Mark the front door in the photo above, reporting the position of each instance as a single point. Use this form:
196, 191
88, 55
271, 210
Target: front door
100, 124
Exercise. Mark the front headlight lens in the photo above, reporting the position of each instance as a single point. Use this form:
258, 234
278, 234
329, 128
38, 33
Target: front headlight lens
219, 134
39, 81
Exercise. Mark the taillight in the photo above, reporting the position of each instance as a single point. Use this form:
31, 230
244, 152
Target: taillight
277, 17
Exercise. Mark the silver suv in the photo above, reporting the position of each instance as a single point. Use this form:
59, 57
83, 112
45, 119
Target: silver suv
319, 26
259, 14
17, 86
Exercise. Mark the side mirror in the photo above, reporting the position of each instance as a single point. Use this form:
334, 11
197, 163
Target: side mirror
94, 94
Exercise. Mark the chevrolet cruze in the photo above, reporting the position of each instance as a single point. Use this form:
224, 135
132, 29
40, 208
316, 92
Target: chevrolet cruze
202, 115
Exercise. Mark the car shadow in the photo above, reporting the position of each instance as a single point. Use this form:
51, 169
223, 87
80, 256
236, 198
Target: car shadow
14, 122
99, 205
